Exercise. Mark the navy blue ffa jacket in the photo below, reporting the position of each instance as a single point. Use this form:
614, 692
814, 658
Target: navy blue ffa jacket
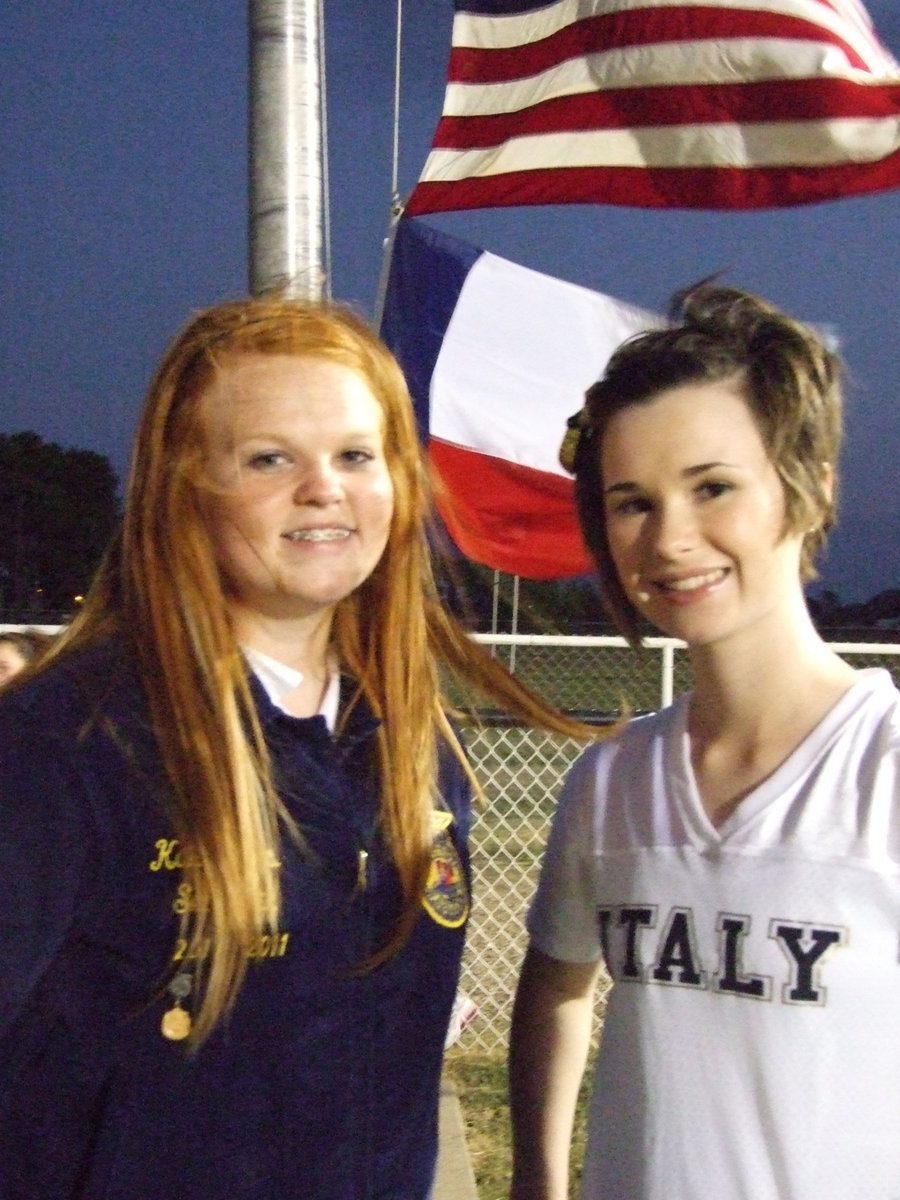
323, 1082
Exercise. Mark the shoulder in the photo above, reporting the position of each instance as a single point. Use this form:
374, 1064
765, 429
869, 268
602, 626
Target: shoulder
629, 747
866, 722
874, 735
75, 718
884, 699
98, 679
51, 766
617, 783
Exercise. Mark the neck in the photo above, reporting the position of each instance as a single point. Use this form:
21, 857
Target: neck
301, 642
753, 677
755, 699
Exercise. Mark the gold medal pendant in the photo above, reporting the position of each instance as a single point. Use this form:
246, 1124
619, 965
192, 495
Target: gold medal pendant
176, 1024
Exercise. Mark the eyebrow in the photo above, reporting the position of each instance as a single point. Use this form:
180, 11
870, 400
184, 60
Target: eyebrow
688, 473
351, 435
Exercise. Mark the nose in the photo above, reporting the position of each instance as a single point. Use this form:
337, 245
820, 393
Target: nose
672, 530
319, 484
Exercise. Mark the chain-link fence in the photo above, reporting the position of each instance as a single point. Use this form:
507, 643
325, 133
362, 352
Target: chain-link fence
522, 770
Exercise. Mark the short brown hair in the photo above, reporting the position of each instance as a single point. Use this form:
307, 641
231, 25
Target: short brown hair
789, 378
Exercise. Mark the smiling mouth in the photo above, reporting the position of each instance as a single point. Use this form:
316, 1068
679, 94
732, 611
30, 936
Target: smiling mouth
317, 535
691, 582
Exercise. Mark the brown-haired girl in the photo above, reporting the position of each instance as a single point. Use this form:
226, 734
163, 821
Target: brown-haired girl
734, 860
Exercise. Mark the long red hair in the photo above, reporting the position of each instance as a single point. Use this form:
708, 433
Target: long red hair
160, 588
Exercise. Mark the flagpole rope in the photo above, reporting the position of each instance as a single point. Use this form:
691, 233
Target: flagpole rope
395, 149
326, 180
396, 205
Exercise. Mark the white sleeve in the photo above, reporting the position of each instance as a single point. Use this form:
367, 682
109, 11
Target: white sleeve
562, 921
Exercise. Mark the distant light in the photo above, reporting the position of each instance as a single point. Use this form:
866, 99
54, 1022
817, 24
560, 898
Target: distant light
78, 599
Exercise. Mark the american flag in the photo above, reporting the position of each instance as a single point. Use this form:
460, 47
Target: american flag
663, 103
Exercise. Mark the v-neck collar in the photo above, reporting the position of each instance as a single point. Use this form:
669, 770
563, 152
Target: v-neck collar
779, 784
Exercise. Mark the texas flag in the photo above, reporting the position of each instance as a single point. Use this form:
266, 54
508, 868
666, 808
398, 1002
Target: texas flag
497, 357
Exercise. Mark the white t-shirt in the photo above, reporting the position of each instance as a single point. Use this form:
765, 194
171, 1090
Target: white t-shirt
751, 1046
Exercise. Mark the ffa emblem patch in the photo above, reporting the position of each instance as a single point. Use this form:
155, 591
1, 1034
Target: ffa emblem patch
446, 896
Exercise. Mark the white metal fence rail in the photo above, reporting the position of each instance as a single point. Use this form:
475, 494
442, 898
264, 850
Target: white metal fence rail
522, 771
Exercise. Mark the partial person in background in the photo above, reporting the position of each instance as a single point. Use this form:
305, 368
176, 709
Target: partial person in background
734, 860
234, 806
17, 648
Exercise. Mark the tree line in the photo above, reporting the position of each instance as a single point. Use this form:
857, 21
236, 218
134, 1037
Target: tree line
58, 510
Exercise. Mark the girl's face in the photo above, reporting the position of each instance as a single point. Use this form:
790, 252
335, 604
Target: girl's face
303, 500
695, 515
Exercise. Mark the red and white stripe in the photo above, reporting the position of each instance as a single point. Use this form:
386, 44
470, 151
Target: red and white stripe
519, 353
744, 104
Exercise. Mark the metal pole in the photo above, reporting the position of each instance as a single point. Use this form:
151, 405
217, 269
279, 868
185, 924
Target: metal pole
668, 674
515, 624
285, 148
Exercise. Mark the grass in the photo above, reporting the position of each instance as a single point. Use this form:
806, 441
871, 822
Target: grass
481, 1084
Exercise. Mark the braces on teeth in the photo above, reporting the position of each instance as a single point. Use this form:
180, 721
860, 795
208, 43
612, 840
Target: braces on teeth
317, 535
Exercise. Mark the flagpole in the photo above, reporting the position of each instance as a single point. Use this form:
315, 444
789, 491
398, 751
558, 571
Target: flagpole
286, 192
514, 629
396, 202
385, 272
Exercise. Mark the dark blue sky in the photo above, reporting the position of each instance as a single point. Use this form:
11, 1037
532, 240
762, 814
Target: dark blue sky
123, 192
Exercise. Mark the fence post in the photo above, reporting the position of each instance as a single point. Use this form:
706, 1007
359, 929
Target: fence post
515, 625
668, 674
